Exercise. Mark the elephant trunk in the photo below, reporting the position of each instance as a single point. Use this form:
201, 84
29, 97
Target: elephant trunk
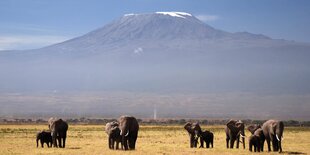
54, 135
242, 135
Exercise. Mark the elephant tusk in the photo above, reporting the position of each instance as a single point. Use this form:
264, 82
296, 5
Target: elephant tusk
242, 136
277, 137
121, 133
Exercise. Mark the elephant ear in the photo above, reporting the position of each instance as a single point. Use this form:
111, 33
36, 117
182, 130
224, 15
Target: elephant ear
196, 126
231, 125
274, 127
188, 124
240, 124
251, 128
189, 127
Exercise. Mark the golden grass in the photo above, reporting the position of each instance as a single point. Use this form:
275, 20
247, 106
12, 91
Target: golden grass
91, 139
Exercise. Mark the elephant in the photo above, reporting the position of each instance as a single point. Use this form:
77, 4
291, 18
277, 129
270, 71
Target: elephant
114, 136
273, 131
257, 131
254, 141
58, 129
192, 129
44, 137
207, 137
129, 131
234, 129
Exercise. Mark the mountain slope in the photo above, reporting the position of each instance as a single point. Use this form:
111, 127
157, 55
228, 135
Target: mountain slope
164, 52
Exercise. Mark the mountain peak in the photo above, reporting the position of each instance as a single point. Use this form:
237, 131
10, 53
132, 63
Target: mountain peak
172, 14
175, 14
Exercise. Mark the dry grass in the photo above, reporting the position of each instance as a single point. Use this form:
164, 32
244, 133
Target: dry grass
91, 139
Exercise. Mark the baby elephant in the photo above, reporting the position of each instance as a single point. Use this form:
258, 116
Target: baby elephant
114, 134
257, 139
44, 137
254, 141
207, 137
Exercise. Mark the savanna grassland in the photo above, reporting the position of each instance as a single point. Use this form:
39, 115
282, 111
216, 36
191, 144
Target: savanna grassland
91, 139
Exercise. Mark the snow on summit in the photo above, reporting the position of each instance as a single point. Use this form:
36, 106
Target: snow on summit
175, 14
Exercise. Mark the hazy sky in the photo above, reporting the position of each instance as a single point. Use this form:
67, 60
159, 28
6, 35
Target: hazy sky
26, 24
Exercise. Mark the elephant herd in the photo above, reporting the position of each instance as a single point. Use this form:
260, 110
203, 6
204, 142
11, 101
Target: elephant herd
271, 131
57, 132
125, 132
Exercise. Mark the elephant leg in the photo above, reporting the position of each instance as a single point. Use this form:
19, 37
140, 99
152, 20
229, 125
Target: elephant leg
117, 144
64, 142
201, 143
268, 144
237, 142
109, 142
250, 146
227, 142
258, 146
274, 144
125, 143
132, 142
208, 144
55, 141
113, 142
192, 141
232, 141
280, 147
42, 143
59, 142
262, 145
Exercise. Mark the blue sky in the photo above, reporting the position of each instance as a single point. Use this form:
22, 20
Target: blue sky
26, 24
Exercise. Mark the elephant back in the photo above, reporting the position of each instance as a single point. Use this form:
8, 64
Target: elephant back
58, 124
259, 132
269, 126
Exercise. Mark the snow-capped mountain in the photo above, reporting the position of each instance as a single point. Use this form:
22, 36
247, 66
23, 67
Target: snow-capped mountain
169, 28
161, 52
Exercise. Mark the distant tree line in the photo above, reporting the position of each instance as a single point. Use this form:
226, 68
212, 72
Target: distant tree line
102, 121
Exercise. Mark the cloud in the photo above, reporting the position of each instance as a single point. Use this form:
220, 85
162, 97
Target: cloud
138, 50
207, 18
21, 42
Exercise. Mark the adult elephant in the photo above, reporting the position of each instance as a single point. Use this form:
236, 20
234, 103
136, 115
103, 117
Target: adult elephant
193, 130
58, 129
113, 132
273, 132
234, 129
129, 131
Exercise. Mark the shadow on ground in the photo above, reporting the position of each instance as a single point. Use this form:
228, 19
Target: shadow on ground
291, 152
